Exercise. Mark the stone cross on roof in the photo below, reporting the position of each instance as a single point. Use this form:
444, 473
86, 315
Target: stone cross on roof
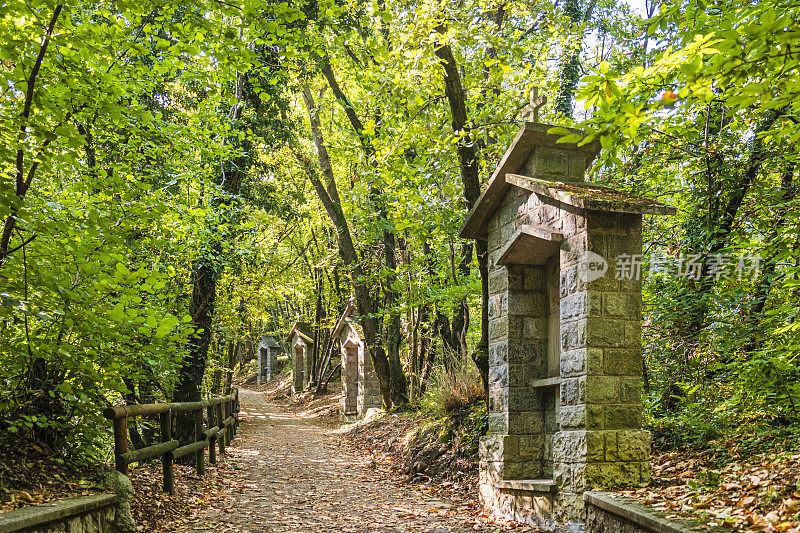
531, 111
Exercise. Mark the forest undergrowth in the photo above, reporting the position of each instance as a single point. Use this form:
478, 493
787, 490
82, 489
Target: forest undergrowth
744, 477
747, 478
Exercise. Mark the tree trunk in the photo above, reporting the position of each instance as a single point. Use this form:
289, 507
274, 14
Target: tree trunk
24, 179
137, 442
329, 197
204, 290
146, 390
190, 374
397, 377
481, 353
468, 163
413, 378
233, 357
768, 274
316, 353
425, 351
570, 63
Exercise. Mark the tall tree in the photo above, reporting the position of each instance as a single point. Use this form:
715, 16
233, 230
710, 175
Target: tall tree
468, 164
328, 194
255, 114
391, 329
569, 70
206, 270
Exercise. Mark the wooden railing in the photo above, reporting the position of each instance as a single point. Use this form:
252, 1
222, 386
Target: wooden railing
220, 428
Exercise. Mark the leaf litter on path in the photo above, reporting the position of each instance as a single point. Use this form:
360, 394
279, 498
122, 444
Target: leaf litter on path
290, 472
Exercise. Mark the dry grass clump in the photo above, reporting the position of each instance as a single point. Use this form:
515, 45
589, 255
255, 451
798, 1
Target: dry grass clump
454, 389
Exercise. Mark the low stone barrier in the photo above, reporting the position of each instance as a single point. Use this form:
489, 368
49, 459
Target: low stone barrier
607, 513
85, 514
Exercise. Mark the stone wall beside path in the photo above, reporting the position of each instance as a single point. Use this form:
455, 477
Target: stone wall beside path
610, 513
85, 514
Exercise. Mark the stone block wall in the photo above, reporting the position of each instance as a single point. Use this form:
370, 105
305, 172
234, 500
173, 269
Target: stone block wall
611, 513
518, 343
586, 431
551, 410
369, 395
523, 419
349, 400
271, 366
558, 164
267, 359
360, 390
307, 364
300, 360
601, 521
601, 442
530, 507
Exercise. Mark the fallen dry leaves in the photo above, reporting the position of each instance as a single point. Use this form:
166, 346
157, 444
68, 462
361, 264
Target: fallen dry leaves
290, 471
155, 510
747, 493
30, 476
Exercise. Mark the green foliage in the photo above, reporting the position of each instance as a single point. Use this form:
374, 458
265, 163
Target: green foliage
131, 121
120, 138
706, 121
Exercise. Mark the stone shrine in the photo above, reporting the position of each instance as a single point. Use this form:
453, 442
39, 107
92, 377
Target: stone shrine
360, 390
268, 349
565, 353
301, 342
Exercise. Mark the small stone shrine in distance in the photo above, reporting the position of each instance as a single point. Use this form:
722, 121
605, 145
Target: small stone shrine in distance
360, 390
268, 349
565, 353
301, 342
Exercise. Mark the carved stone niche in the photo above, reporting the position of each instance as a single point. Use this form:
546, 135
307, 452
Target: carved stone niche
565, 355
268, 349
301, 344
360, 390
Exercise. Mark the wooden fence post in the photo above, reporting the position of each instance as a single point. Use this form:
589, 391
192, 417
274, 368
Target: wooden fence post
121, 443
217, 409
166, 459
229, 433
212, 450
217, 381
236, 409
199, 456
220, 420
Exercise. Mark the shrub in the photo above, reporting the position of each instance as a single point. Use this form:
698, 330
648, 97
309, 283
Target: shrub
453, 390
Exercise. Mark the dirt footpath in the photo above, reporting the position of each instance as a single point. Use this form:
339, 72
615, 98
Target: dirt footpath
294, 473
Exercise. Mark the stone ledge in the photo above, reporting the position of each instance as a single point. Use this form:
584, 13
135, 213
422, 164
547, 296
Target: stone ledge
530, 485
46, 513
546, 382
646, 518
530, 245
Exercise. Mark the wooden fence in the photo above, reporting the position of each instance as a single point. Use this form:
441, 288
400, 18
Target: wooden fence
221, 421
